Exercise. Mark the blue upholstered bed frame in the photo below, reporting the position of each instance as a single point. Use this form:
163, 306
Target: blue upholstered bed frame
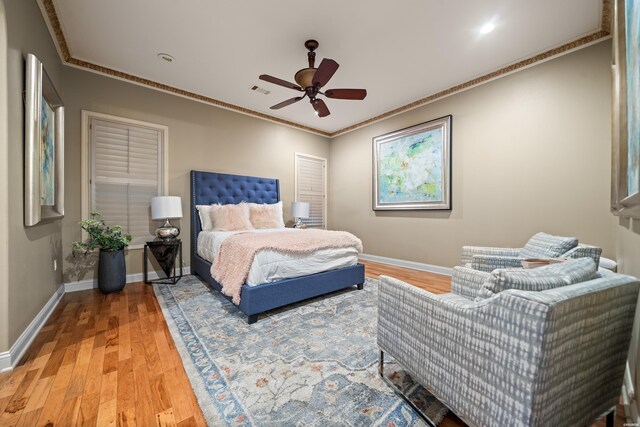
210, 187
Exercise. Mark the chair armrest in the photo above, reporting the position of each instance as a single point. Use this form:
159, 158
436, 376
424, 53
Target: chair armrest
585, 251
467, 282
489, 263
469, 251
544, 345
460, 350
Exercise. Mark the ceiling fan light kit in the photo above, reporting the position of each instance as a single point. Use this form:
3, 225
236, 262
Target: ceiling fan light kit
310, 80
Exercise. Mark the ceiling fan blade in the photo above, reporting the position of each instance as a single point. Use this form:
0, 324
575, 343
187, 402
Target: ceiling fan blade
277, 81
324, 72
358, 94
320, 107
287, 102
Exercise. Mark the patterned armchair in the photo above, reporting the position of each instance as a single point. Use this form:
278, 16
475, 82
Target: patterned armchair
513, 356
541, 245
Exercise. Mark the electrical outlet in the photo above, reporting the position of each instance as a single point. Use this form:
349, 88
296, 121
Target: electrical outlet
55, 265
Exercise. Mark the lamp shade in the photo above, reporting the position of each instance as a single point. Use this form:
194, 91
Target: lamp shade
300, 209
165, 207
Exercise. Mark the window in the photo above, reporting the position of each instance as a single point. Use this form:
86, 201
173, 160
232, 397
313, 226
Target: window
311, 187
124, 165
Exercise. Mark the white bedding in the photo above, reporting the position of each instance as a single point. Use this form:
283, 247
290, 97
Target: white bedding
269, 266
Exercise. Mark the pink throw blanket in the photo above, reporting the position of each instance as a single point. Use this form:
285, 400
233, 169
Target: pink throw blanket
235, 256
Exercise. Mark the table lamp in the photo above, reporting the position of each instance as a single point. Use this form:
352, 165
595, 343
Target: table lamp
166, 207
299, 210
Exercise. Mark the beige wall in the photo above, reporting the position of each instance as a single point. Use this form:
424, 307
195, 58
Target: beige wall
530, 153
201, 137
31, 281
4, 187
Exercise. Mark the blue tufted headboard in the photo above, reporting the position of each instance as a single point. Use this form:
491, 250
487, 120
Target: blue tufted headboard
211, 187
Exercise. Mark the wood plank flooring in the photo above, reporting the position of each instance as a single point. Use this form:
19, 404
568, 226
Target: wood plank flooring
101, 360
109, 360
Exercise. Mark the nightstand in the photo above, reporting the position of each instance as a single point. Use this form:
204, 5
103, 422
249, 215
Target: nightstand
165, 252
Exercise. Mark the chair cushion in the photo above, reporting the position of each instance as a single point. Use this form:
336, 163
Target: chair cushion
544, 245
539, 279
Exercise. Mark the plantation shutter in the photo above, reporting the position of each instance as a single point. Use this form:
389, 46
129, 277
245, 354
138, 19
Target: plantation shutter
125, 173
310, 188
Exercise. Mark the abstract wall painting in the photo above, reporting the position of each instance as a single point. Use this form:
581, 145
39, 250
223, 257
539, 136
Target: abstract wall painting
412, 167
44, 146
625, 166
47, 156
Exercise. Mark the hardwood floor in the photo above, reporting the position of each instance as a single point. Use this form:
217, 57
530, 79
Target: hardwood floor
110, 360
101, 360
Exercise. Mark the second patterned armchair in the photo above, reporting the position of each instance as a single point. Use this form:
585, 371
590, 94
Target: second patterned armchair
516, 347
541, 245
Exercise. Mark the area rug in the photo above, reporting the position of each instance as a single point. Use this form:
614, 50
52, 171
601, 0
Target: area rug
310, 364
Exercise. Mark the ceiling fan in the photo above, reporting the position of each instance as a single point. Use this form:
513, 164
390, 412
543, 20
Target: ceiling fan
310, 80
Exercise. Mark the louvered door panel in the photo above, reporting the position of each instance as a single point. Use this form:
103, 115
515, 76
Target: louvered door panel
126, 165
110, 150
310, 188
112, 200
141, 227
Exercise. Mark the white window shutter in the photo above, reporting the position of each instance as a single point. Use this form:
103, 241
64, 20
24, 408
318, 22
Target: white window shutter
311, 188
126, 172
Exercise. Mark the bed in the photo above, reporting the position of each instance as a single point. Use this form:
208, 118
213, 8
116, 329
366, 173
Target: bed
211, 187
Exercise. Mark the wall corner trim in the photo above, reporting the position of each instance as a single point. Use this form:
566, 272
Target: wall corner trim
9, 359
447, 271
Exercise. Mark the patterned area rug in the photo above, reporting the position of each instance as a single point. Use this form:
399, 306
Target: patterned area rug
310, 364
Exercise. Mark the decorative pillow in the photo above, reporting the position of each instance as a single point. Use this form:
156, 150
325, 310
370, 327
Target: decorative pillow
231, 217
204, 212
539, 279
544, 245
266, 216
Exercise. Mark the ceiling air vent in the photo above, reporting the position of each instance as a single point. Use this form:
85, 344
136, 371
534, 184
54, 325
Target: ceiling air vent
260, 90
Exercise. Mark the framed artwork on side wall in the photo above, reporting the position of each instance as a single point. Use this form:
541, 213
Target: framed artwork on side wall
412, 167
625, 159
43, 146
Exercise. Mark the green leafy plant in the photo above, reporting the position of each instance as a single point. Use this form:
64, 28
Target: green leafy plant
101, 236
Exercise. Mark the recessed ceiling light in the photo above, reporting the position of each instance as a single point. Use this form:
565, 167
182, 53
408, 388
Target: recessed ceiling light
487, 28
166, 57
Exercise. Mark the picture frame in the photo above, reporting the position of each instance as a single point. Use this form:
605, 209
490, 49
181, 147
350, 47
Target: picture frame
625, 109
412, 167
43, 146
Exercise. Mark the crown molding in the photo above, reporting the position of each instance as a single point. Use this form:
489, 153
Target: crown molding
55, 28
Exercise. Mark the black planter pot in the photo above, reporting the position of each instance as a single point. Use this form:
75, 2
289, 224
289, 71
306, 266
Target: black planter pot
112, 271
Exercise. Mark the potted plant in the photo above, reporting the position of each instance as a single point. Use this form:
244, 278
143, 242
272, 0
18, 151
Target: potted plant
111, 241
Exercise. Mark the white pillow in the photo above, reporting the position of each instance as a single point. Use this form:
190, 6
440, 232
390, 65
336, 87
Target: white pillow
204, 212
266, 216
231, 217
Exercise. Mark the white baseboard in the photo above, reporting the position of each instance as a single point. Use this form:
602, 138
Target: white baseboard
447, 271
83, 285
9, 359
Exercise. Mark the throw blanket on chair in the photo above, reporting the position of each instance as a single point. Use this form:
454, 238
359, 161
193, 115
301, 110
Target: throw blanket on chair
235, 256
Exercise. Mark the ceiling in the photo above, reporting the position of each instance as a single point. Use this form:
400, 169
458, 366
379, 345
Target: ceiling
401, 52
